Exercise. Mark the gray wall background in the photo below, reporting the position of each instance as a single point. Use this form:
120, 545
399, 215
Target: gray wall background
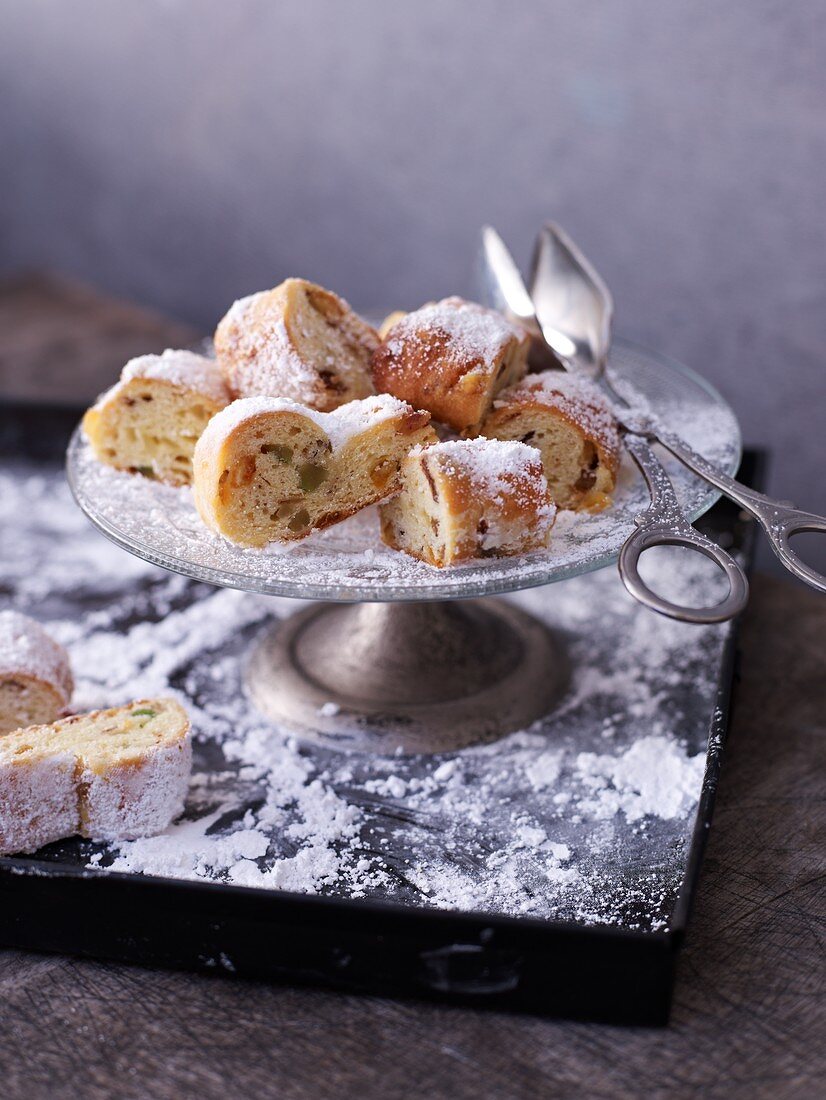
186, 152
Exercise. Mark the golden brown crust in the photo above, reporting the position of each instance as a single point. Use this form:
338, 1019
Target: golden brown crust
497, 421
413, 420
451, 358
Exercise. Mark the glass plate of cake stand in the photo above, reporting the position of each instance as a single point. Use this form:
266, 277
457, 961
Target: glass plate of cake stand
393, 655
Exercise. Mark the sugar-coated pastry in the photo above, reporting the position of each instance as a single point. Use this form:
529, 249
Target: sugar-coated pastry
35, 677
297, 341
570, 422
149, 422
390, 321
451, 358
113, 774
268, 469
471, 498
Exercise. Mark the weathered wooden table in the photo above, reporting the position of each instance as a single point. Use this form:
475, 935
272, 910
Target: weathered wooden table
748, 1017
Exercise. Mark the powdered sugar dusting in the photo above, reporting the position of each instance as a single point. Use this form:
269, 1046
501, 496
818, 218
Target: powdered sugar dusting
489, 461
181, 368
262, 359
340, 425
499, 471
473, 332
139, 800
103, 798
652, 777
348, 560
561, 821
239, 313
355, 417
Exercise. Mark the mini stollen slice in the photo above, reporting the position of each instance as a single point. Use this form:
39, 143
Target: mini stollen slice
268, 469
297, 341
35, 677
150, 421
113, 774
451, 358
571, 424
466, 499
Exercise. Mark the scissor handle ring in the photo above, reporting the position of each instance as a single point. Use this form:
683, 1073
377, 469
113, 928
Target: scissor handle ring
780, 530
646, 537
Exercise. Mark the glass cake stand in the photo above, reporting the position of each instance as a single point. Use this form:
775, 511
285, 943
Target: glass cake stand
397, 655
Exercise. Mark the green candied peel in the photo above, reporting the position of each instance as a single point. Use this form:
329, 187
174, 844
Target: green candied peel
311, 476
147, 471
280, 452
149, 713
300, 521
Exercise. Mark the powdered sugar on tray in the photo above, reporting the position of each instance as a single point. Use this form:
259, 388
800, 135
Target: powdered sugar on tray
585, 816
653, 776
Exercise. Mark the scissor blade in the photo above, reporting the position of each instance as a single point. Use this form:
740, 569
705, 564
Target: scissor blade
502, 280
504, 289
572, 303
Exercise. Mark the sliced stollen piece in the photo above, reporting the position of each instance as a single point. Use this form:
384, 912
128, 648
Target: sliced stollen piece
451, 358
35, 677
268, 469
297, 341
150, 421
113, 774
570, 422
471, 498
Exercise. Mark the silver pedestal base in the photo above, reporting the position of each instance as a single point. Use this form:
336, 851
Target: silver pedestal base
415, 677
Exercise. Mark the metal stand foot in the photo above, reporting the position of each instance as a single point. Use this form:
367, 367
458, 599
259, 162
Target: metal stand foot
420, 677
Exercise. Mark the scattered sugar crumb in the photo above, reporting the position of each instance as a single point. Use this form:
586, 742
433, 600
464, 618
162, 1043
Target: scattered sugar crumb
544, 770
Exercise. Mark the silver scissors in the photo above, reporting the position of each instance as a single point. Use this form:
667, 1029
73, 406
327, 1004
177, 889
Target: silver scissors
570, 308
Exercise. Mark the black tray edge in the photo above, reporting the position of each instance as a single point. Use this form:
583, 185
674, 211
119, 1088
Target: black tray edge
753, 471
378, 948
